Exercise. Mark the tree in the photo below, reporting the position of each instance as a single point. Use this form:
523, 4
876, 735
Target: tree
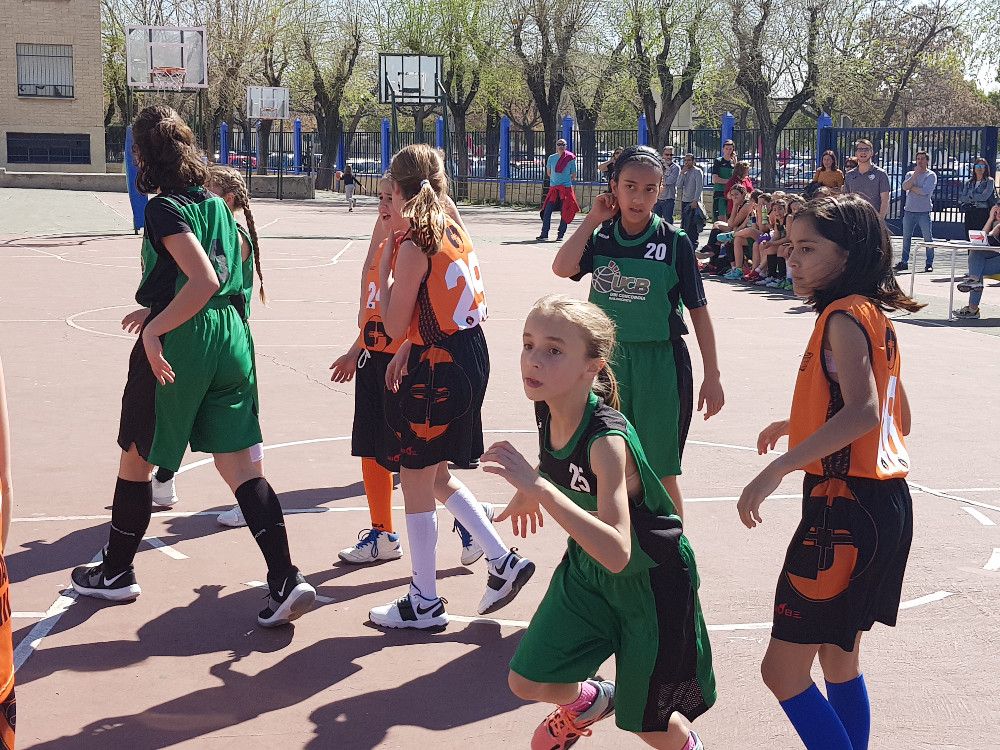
770, 63
543, 35
656, 25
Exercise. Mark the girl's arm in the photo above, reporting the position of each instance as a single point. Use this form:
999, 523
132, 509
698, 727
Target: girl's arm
6, 483
567, 260
859, 415
400, 297
379, 232
904, 406
607, 536
711, 396
452, 210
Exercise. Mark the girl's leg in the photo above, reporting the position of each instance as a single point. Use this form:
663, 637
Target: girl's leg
378, 490
786, 671
130, 511
578, 705
421, 527
469, 512
846, 691
677, 737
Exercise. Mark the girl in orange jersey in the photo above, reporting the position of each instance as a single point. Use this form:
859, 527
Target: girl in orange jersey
7, 703
373, 439
436, 301
844, 567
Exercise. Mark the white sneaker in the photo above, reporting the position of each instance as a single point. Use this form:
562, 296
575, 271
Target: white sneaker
232, 517
164, 493
507, 577
411, 611
471, 550
373, 546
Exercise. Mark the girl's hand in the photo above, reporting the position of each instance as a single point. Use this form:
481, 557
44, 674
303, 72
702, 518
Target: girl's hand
771, 434
604, 208
755, 493
162, 370
132, 323
344, 367
388, 255
512, 466
522, 510
396, 370
711, 396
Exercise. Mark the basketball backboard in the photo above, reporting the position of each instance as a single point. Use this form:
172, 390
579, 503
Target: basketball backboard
165, 57
409, 79
267, 103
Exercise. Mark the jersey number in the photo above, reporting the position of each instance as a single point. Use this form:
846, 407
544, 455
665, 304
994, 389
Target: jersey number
373, 295
579, 482
473, 291
656, 251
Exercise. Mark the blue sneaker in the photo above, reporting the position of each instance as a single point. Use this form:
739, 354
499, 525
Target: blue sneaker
373, 546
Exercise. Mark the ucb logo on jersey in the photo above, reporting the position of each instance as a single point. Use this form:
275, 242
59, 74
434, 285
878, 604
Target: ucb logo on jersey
579, 482
610, 281
218, 257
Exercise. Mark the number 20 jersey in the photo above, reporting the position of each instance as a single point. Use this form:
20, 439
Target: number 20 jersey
451, 297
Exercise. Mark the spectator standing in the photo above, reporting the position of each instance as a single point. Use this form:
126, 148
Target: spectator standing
605, 167
919, 187
722, 170
978, 196
560, 168
665, 204
692, 184
868, 180
829, 175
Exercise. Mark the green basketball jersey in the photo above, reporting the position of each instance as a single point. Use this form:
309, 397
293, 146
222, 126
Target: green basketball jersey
209, 219
569, 469
643, 282
247, 270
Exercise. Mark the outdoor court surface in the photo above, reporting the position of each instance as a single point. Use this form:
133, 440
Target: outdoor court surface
187, 666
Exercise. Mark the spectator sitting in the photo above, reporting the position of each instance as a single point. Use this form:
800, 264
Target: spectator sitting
741, 176
719, 250
982, 263
978, 195
771, 271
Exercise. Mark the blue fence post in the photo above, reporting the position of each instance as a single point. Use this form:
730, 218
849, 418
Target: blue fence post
260, 145
136, 199
439, 133
567, 132
504, 158
341, 153
297, 145
823, 125
386, 148
223, 143
642, 132
728, 126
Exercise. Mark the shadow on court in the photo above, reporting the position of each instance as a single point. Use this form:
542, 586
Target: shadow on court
360, 721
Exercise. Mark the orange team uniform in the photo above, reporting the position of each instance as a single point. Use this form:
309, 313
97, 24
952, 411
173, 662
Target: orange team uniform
844, 568
373, 335
8, 704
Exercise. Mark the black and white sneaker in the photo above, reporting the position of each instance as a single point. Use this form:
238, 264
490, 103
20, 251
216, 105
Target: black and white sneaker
94, 580
287, 602
411, 611
507, 577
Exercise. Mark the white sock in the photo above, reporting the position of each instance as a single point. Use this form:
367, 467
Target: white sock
422, 535
469, 512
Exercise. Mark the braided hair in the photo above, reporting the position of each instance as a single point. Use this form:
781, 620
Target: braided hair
228, 181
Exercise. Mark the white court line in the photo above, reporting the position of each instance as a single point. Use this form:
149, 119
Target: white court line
949, 496
984, 519
28, 615
262, 585
926, 599
332, 262
166, 549
994, 562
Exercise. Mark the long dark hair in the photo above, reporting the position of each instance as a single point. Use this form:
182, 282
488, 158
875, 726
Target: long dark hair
986, 171
168, 155
850, 222
822, 166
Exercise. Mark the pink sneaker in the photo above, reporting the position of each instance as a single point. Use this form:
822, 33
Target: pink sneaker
562, 728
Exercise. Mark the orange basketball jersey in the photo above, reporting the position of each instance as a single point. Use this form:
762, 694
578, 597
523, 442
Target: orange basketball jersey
451, 296
373, 335
881, 453
8, 704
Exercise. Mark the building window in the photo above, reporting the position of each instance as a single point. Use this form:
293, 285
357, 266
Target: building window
48, 148
45, 70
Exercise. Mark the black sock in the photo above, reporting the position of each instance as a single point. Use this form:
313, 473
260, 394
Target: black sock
772, 266
782, 268
130, 513
164, 475
262, 512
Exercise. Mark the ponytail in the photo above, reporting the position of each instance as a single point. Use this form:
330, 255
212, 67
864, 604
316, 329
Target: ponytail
606, 386
427, 219
418, 171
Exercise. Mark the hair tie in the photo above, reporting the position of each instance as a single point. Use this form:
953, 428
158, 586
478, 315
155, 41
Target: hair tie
425, 183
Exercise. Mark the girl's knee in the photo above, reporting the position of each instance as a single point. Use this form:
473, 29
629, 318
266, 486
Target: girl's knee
522, 687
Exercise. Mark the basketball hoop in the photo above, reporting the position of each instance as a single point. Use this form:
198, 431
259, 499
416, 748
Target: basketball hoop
168, 78
270, 113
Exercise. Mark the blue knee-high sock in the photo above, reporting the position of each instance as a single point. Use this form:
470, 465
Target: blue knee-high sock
850, 701
816, 722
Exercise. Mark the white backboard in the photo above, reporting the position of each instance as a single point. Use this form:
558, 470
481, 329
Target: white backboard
413, 79
267, 103
150, 47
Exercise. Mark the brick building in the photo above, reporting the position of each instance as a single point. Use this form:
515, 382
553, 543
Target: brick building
51, 86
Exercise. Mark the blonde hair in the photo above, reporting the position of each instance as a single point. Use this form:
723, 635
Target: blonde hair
225, 180
418, 171
598, 332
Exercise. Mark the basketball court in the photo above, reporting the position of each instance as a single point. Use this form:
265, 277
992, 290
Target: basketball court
186, 664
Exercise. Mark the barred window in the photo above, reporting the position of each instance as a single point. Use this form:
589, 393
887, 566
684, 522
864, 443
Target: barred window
48, 148
45, 70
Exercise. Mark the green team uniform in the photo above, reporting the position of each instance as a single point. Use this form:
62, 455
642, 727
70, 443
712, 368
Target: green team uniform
648, 615
643, 283
212, 403
720, 205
